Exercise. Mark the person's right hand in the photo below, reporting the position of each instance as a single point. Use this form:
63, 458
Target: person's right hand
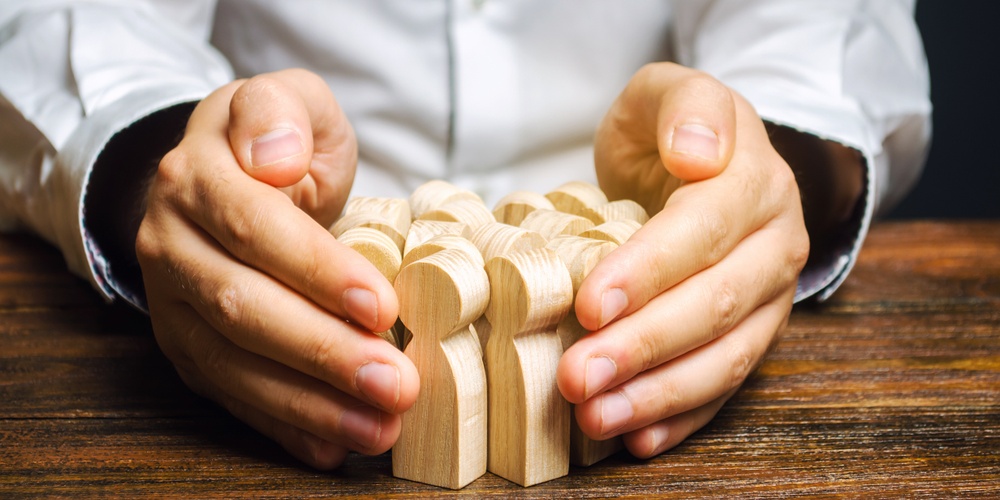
253, 300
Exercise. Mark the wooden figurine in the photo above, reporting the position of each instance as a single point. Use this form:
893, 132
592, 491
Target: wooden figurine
388, 215
496, 239
383, 253
444, 242
513, 208
377, 247
551, 224
469, 212
437, 193
616, 231
443, 438
394, 210
581, 255
616, 210
432, 246
529, 419
573, 197
423, 230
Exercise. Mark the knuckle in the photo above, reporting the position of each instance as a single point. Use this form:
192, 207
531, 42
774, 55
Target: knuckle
648, 347
230, 302
725, 306
646, 73
741, 363
148, 244
649, 254
312, 272
173, 168
297, 405
324, 353
258, 87
783, 183
217, 359
244, 225
668, 397
711, 224
798, 253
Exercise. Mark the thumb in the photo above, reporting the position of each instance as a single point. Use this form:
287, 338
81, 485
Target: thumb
696, 123
270, 130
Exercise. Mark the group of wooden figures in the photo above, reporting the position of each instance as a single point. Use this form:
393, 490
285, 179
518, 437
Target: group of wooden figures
486, 306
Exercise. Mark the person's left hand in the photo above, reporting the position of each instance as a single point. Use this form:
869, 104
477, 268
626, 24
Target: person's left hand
686, 309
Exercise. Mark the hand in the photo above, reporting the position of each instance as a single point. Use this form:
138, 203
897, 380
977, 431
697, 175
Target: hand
689, 306
253, 300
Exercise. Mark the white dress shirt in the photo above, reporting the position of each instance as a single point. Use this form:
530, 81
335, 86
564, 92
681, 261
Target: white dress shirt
493, 95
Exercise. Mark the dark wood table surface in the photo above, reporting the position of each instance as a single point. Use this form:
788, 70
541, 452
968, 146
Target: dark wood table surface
891, 388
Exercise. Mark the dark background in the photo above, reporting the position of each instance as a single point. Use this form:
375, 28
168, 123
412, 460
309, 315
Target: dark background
962, 175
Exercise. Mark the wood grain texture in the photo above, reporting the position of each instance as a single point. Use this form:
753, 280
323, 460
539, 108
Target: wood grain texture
576, 196
443, 438
376, 247
890, 389
435, 193
513, 208
616, 210
496, 239
580, 256
423, 230
529, 419
616, 231
551, 224
472, 213
383, 252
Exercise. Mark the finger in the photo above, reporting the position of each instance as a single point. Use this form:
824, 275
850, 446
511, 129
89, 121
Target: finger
700, 224
224, 371
696, 123
688, 315
684, 115
261, 315
260, 226
270, 132
661, 436
302, 445
275, 119
689, 381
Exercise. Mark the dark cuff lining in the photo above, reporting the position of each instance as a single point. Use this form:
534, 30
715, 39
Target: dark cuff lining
115, 201
832, 180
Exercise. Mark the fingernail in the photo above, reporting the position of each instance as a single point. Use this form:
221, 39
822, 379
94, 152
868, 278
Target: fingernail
616, 411
275, 146
379, 382
362, 306
613, 302
696, 140
363, 425
597, 374
657, 439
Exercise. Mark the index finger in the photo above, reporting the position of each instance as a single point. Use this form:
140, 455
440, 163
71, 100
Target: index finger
260, 225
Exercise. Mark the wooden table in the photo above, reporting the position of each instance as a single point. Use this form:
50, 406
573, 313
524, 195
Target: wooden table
891, 388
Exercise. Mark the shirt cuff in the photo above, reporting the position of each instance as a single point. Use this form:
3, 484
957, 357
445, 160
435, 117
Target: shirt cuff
72, 182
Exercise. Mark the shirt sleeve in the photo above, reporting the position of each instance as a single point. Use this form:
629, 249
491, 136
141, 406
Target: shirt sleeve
75, 74
852, 72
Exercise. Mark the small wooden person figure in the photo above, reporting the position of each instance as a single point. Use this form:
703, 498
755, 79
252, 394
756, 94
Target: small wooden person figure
529, 419
443, 439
